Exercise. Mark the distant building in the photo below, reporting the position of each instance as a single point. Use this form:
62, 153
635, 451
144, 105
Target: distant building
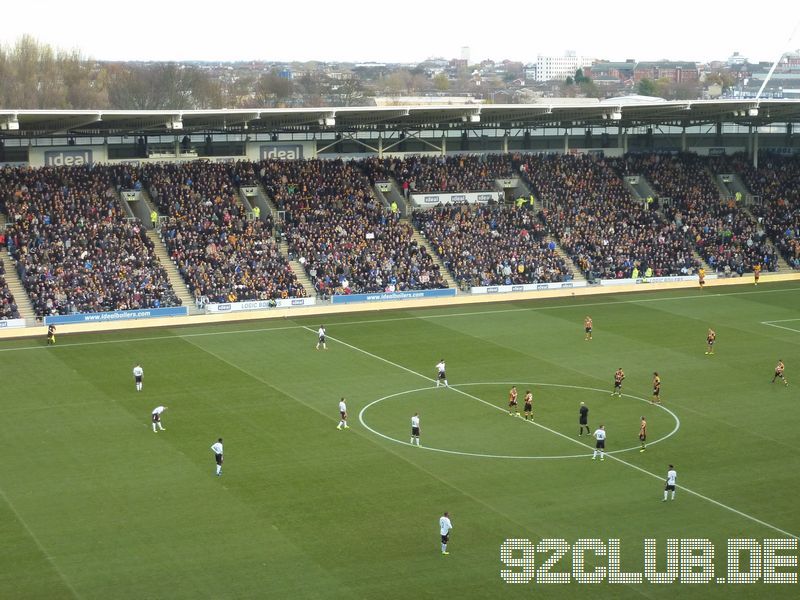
607, 71
549, 68
736, 59
675, 72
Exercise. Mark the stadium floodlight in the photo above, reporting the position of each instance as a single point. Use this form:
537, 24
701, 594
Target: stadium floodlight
11, 123
175, 122
752, 112
472, 117
328, 120
615, 115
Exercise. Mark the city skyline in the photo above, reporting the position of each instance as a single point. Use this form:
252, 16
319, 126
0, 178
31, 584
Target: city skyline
358, 31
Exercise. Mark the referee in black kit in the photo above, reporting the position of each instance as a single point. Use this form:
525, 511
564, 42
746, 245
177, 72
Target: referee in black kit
583, 421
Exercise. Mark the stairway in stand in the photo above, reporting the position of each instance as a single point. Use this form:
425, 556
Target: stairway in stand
178, 284
443, 270
298, 270
782, 264
695, 254
15, 286
577, 274
262, 193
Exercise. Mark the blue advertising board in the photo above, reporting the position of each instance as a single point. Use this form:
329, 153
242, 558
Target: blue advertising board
117, 315
384, 296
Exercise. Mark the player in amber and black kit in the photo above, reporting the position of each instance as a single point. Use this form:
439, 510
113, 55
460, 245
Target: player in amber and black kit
643, 434
583, 420
513, 408
528, 405
51, 335
619, 375
779, 373
656, 388
711, 337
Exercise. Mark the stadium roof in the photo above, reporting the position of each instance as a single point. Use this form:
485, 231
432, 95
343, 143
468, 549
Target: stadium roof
622, 112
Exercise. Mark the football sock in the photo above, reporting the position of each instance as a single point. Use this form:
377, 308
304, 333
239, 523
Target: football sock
673, 495
665, 494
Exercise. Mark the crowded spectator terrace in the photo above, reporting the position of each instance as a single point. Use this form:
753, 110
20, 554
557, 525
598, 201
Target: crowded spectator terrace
607, 233
222, 255
423, 174
774, 186
346, 241
726, 236
8, 308
491, 245
74, 250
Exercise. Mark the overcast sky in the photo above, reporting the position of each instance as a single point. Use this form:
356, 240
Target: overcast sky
406, 30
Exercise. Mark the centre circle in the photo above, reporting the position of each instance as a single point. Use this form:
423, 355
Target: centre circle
458, 389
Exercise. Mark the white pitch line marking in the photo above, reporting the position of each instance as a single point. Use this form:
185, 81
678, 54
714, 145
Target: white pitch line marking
772, 324
566, 437
371, 321
504, 456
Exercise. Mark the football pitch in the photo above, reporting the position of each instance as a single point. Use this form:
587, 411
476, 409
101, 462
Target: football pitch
94, 504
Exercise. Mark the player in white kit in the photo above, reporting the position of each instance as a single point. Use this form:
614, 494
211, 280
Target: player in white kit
342, 415
156, 418
415, 429
672, 475
600, 442
138, 373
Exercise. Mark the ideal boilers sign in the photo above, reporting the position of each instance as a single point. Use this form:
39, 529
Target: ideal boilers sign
66, 156
281, 151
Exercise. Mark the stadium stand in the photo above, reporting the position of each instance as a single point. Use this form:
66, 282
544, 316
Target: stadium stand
725, 236
774, 184
73, 248
222, 256
491, 245
346, 241
461, 173
8, 308
606, 232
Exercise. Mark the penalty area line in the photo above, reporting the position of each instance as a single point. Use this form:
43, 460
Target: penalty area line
784, 327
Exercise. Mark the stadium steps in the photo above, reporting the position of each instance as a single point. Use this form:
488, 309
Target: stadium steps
394, 194
263, 197
242, 198
178, 284
577, 274
445, 272
15, 286
298, 269
380, 196
695, 254
151, 206
703, 263
782, 264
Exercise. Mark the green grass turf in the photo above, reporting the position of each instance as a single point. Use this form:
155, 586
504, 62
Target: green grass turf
94, 505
